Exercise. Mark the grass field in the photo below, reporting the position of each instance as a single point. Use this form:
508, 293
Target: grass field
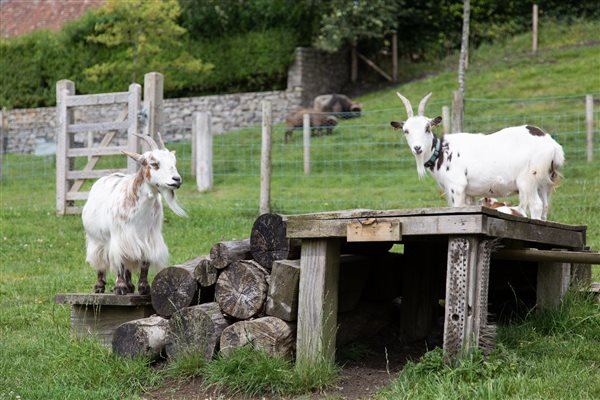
364, 164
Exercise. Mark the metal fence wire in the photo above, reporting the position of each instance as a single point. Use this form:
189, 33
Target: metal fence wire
364, 163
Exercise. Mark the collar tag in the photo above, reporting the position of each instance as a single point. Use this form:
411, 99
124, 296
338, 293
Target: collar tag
435, 155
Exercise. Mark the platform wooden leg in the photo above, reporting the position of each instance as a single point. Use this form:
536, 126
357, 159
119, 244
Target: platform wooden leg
467, 279
553, 281
318, 296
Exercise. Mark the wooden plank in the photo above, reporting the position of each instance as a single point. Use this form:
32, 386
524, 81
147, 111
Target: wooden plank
374, 230
97, 127
468, 210
552, 234
317, 302
96, 99
553, 280
64, 117
94, 174
107, 299
414, 225
72, 210
94, 160
77, 195
581, 257
96, 151
133, 108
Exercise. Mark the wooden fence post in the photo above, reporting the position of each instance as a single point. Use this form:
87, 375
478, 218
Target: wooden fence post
395, 56
353, 64
134, 100
589, 123
457, 111
3, 133
64, 88
446, 119
306, 141
265, 159
534, 29
153, 103
202, 151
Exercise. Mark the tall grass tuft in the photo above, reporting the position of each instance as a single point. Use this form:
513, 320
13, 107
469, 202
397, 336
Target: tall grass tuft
252, 373
548, 354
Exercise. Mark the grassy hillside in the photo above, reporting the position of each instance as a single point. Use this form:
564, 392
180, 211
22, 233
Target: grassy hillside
364, 164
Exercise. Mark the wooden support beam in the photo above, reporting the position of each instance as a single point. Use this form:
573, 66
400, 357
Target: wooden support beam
317, 303
579, 257
375, 67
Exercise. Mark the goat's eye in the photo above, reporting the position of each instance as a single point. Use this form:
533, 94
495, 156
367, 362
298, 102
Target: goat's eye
154, 165
428, 129
406, 131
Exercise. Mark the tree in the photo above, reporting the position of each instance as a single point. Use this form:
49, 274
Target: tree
348, 22
145, 37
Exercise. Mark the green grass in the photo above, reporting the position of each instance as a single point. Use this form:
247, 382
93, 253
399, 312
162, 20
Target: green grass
364, 164
552, 355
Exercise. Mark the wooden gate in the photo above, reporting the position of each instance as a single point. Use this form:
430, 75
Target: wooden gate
130, 118
69, 180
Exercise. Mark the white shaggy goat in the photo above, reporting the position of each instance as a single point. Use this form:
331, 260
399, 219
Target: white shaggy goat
123, 218
518, 159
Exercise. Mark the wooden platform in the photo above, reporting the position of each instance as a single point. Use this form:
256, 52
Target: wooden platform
469, 236
94, 314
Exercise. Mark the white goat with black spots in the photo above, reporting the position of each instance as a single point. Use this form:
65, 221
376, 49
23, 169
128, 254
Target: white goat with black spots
123, 219
519, 159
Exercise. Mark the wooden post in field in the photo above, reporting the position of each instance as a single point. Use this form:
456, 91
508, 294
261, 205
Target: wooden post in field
265, 159
153, 103
64, 88
589, 123
306, 141
354, 64
133, 107
202, 151
534, 29
395, 56
457, 111
446, 119
3, 132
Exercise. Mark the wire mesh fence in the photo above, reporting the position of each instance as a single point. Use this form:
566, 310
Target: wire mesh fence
364, 163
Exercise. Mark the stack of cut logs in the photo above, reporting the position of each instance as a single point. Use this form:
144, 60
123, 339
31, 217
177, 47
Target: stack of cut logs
246, 293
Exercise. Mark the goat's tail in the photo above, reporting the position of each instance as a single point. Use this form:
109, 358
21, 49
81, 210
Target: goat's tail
556, 164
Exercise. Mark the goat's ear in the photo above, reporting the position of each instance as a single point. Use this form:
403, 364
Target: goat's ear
397, 125
137, 157
436, 121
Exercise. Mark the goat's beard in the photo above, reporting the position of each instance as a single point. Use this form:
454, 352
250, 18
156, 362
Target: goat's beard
420, 165
169, 196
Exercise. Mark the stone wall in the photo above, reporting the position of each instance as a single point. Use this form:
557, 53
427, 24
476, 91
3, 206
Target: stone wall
317, 72
312, 73
33, 130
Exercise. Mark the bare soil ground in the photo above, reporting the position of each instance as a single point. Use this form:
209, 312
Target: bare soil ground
360, 379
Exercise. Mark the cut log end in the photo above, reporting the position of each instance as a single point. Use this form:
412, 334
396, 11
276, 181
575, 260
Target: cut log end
269, 334
173, 288
269, 242
241, 289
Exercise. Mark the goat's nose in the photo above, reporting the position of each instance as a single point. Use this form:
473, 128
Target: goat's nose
177, 180
418, 149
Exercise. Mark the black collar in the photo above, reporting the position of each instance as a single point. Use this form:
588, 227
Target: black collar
436, 153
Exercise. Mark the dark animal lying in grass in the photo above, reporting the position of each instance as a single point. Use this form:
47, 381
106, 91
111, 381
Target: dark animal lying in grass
318, 122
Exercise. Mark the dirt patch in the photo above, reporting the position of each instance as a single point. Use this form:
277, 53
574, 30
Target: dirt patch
360, 379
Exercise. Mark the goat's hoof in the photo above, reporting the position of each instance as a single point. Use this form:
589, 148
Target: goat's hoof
130, 289
144, 289
121, 290
98, 289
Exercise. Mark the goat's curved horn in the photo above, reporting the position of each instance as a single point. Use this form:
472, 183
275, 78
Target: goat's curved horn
149, 140
161, 144
407, 105
423, 104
